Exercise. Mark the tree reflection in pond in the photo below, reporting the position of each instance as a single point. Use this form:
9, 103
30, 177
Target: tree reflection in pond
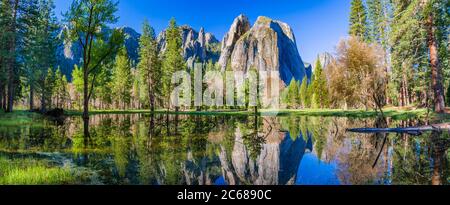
204, 150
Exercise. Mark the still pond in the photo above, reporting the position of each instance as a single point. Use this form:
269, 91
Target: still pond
149, 149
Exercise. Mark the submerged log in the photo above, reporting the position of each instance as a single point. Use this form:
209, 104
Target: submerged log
407, 130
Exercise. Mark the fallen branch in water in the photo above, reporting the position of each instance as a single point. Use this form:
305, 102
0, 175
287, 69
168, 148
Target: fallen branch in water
407, 130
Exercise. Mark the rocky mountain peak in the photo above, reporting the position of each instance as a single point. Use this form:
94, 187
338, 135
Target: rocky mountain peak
325, 59
195, 45
210, 38
240, 26
269, 45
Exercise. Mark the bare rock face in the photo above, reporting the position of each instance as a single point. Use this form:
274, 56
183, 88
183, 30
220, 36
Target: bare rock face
200, 46
240, 26
309, 70
325, 59
268, 46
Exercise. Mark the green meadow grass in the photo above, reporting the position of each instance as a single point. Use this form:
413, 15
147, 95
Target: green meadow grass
19, 118
394, 113
33, 172
24, 117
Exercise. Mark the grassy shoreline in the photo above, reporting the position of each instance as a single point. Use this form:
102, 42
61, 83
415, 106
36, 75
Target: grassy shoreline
397, 113
392, 112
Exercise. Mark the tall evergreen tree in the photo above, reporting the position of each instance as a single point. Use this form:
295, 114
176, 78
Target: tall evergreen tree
430, 24
292, 94
122, 79
4, 21
136, 92
375, 13
41, 42
49, 87
173, 59
319, 86
408, 51
303, 96
442, 16
60, 89
416, 59
358, 20
104, 85
10, 15
30, 53
149, 65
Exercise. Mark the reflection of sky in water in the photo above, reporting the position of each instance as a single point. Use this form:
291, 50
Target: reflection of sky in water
220, 181
296, 158
313, 171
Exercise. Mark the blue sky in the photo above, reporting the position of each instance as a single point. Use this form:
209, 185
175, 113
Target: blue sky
318, 24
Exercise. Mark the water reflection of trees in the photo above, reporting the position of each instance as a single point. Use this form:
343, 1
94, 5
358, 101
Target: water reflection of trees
146, 149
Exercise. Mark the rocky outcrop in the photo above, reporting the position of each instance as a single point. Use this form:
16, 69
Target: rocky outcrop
68, 54
268, 46
132, 43
309, 70
325, 59
200, 46
240, 26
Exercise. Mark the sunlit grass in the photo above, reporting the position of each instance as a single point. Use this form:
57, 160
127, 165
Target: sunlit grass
393, 112
33, 172
19, 118
38, 176
188, 112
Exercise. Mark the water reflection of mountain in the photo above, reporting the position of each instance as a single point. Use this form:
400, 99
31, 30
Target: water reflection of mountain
277, 162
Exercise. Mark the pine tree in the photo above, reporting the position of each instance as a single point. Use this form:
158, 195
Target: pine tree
40, 46
292, 94
442, 20
315, 104
61, 92
408, 51
49, 87
103, 83
149, 65
310, 92
30, 41
10, 14
137, 90
429, 17
358, 20
375, 20
320, 86
415, 36
173, 59
303, 96
122, 79
5, 11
